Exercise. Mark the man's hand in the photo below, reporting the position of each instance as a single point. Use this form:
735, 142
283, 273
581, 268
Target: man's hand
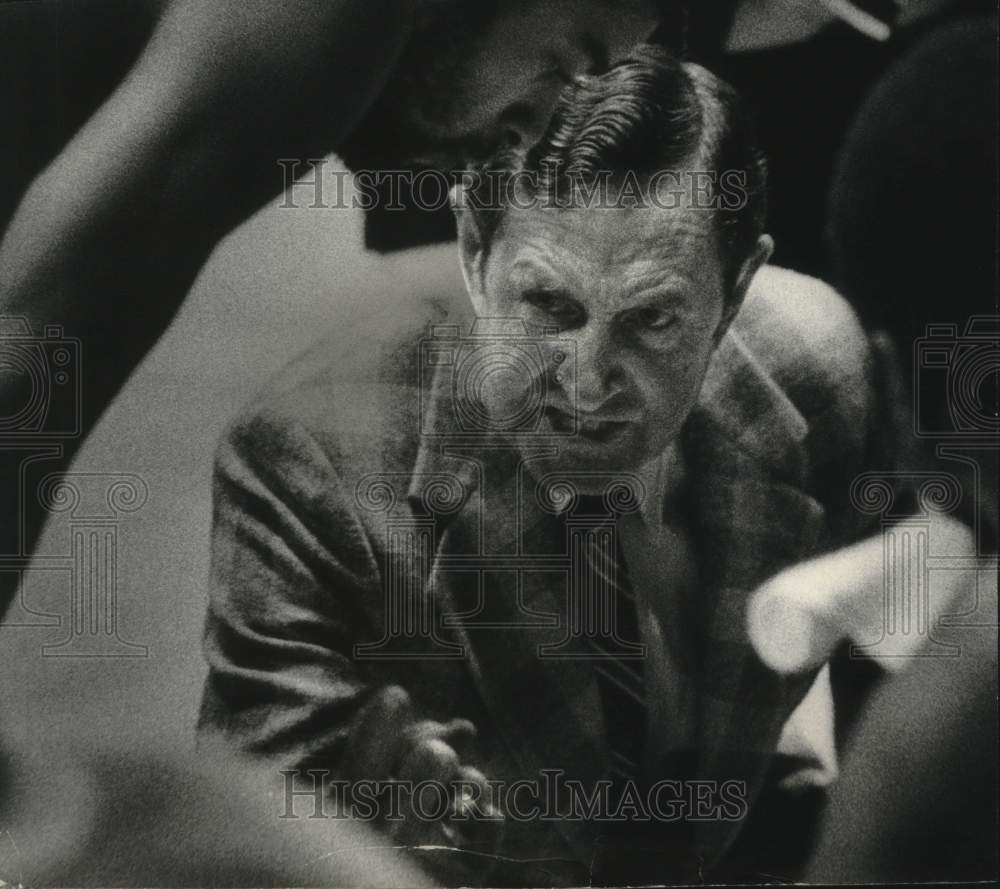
391, 744
798, 618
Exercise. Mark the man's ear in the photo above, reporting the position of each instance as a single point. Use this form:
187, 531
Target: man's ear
751, 265
471, 248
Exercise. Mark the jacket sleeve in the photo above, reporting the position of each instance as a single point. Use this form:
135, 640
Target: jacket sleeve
295, 586
290, 567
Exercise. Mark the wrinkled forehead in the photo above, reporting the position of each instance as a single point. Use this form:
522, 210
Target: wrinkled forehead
616, 244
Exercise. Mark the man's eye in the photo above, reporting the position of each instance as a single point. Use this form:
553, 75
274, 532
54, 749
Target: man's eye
554, 304
650, 318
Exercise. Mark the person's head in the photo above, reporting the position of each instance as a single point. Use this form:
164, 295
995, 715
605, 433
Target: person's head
610, 232
477, 74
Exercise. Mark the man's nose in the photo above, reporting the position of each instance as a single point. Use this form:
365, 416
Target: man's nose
598, 376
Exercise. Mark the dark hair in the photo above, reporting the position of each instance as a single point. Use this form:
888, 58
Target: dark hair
648, 114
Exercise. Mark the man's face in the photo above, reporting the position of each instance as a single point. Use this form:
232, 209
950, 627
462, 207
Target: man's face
467, 86
641, 295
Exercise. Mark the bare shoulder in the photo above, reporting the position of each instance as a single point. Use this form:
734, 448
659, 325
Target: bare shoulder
791, 318
809, 339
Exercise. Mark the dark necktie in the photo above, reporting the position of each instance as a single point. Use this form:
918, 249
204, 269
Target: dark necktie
618, 659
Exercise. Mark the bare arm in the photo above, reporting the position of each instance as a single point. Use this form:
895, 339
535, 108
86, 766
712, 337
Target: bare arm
108, 239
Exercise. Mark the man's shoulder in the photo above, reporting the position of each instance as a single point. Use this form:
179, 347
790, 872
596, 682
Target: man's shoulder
355, 395
807, 338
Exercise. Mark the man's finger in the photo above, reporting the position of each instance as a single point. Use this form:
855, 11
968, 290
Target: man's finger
456, 733
476, 821
376, 740
429, 760
427, 774
474, 796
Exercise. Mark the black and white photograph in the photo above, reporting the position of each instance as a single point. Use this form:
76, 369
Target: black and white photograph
499, 443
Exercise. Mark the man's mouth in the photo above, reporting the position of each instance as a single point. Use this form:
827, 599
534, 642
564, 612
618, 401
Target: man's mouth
594, 429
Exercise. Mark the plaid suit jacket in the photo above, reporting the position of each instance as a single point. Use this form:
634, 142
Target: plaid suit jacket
329, 470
